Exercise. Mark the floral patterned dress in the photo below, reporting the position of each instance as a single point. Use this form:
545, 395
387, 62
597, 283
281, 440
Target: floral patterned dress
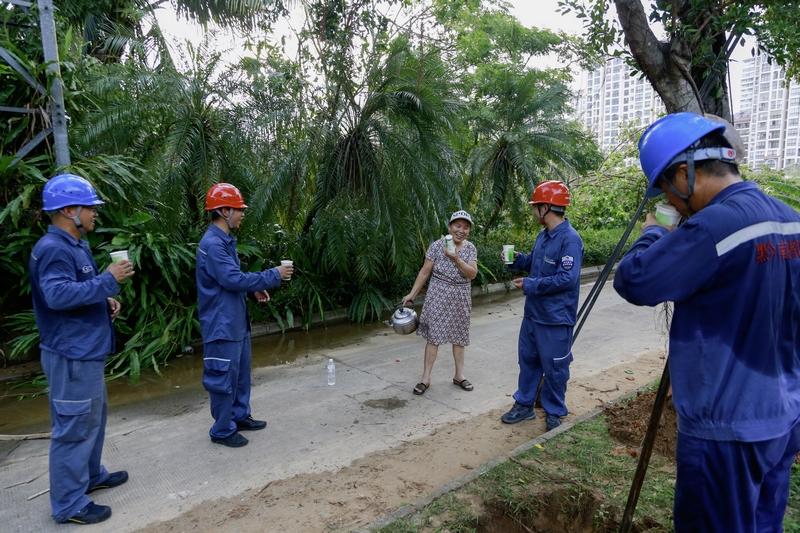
448, 302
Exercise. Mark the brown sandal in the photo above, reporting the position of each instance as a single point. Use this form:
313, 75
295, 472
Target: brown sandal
464, 384
420, 388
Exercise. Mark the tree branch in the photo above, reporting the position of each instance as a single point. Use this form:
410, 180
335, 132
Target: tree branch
643, 43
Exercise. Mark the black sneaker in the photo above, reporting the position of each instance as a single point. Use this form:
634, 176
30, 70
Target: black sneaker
249, 424
115, 479
91, 514
518, 413
552, 422
234, 440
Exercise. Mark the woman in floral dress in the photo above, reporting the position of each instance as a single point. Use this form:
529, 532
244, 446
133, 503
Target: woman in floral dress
448, 301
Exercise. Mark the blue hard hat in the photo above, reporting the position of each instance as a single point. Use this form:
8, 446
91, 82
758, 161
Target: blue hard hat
68, 189
668, 137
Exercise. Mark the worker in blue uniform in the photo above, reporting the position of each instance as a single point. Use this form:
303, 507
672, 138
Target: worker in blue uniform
74, 309
551, 305
732, 270
224, 323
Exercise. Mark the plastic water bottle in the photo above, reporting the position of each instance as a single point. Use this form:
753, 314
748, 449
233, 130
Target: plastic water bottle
331, 372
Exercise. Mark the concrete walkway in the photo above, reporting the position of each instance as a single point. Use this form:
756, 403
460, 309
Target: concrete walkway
313, 427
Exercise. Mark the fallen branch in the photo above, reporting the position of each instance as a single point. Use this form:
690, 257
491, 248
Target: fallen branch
31, 436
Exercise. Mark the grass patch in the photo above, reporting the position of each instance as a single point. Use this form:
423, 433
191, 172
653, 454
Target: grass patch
577, 481
791, 521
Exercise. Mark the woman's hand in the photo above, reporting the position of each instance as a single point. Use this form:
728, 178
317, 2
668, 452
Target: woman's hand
408, 299
453, 256
518, 282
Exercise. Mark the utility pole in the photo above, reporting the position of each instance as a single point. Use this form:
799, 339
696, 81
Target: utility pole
57, 114
55, 107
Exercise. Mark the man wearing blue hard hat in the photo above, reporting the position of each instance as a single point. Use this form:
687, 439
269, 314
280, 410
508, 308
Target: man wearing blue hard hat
732, 270
74, 310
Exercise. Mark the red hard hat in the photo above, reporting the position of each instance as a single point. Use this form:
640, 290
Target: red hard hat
551, 192
224, 195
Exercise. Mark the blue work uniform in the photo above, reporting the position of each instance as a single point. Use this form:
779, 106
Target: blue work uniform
733, 271
222, 289
70, 302
551, 304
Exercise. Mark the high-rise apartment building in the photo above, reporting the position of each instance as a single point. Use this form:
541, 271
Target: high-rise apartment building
769, 114
610, 99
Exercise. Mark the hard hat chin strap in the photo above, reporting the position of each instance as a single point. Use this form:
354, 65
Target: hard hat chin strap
690, 179
77, 220
227, 218
541, 216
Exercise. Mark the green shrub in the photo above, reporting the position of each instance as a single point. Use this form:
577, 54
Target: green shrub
599, 243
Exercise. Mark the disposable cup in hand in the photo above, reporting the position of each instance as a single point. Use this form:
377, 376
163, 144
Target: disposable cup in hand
121, 255
667, 215
285, 263
508, 253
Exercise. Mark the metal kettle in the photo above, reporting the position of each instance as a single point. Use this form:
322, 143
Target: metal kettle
404, 320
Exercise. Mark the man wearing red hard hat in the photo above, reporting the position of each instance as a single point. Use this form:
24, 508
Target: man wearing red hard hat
551, 304
224, 323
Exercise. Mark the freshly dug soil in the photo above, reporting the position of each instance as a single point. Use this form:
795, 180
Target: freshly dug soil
628, 423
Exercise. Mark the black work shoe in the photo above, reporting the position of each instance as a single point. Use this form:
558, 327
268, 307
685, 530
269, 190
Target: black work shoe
518, 413
552, 422
234, 440
249, 424
115, 479
91, 514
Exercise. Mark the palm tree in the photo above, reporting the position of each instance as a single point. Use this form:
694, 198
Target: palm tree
391, 151
522, 136
178, 125
113, 27
385, 174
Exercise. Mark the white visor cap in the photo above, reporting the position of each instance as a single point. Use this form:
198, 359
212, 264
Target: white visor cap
461, 214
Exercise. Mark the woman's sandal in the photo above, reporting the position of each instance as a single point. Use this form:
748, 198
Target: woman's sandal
464, 384
420, 388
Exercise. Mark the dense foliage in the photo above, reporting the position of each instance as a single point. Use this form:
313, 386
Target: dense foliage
351, 152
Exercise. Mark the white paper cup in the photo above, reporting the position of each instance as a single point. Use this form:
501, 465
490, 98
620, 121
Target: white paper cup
508, 253
287, 262
667, 215
121, 255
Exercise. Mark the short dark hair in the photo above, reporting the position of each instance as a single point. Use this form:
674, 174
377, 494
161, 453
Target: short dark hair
714, 167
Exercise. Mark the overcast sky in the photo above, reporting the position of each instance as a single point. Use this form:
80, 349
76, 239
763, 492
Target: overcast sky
540, 13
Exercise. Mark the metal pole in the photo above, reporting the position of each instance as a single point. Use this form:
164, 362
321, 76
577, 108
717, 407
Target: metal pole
647, 450
583, 314
58, 115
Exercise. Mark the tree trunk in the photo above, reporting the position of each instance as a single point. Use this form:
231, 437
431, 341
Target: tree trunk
668, 65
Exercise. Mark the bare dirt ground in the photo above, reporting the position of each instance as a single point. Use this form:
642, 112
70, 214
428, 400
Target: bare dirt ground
373, 486
628, 424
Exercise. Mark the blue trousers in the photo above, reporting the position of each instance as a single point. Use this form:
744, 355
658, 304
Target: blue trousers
733, 486
78, 420
226, 377
544, 351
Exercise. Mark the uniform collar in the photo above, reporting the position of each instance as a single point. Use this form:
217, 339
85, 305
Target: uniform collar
558, 229
725, 193
226, 237
55, 230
